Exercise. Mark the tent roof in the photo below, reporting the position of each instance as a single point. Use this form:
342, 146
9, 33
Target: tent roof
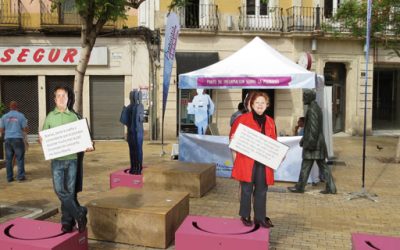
256, 65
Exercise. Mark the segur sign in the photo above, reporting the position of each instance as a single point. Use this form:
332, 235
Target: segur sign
48, 55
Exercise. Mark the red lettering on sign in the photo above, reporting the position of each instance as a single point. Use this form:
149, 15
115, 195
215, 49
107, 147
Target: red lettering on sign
22, 55
69, 56
38, 56
7, 55
53, 57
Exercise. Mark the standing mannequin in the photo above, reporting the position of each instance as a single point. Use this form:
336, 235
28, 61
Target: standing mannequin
133, 117
203, 108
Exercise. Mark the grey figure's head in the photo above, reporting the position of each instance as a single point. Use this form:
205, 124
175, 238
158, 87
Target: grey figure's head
135, 97
132, 97
308, 96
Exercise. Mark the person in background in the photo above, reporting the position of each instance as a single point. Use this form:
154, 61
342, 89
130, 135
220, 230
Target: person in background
64, 169
254, 177
241, 110
14, 124
299, 128
314, 147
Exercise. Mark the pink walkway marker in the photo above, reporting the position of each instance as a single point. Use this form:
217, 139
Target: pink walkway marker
122, 178
199, 233
362, 241
23, 234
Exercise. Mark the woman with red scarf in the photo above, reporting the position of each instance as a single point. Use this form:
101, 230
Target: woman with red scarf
254, 177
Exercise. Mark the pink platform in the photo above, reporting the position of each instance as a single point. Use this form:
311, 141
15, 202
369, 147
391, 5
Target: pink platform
122, 178
23, 234
199, 233
370, 242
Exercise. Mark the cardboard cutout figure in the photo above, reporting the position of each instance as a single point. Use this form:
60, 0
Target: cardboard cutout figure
132, 116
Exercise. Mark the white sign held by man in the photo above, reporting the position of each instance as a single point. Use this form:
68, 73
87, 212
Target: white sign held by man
258, 146
67, 139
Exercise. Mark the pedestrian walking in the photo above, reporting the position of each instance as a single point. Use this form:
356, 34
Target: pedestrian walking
14, 125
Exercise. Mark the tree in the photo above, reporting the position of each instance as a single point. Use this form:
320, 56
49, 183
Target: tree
94, 14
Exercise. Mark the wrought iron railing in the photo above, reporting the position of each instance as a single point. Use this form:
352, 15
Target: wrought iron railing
64, 14
304, 18
199, 16
393, 22
311, 19
10, 12
261, 18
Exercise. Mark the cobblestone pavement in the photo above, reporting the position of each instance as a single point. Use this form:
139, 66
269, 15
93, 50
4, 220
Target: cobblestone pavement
302, 221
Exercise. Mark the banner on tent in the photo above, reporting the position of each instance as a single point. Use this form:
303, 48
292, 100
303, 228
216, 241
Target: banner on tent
207, 149
213, 82
215, 149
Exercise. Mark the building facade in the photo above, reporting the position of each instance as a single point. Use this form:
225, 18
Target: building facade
211, 30
40, 48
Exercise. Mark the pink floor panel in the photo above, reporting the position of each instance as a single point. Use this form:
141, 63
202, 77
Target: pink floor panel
378, 242
199, 233
122, 178
24, 234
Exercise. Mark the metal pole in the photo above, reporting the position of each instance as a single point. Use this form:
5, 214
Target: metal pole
363, 193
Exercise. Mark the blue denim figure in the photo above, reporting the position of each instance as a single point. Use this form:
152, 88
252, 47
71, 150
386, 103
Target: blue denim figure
64, 178
15, 147
133, 116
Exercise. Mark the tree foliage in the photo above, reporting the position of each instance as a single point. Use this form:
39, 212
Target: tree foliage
385, 18
385, 21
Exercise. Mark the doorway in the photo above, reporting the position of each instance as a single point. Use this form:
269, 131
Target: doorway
335, 76
386, 101
187, 62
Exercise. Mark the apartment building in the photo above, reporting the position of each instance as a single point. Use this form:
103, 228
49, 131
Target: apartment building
39, 49
211, 30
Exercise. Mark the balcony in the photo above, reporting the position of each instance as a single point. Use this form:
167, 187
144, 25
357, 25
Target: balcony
10, 13
65, 17
261, 18
310, 19
199, 17
303, 19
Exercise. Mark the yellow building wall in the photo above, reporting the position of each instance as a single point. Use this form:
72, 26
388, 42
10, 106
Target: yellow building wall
164, 5
307, 3
285, 4
226, 6
30, 14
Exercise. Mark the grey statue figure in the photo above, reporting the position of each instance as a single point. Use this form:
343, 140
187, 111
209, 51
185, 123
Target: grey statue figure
133, 117
314, 147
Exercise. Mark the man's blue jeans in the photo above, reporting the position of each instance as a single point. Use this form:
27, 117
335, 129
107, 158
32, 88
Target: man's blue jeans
15, 147
64, 178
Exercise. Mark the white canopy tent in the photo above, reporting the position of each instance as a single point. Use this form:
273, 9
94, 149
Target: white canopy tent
256, 65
